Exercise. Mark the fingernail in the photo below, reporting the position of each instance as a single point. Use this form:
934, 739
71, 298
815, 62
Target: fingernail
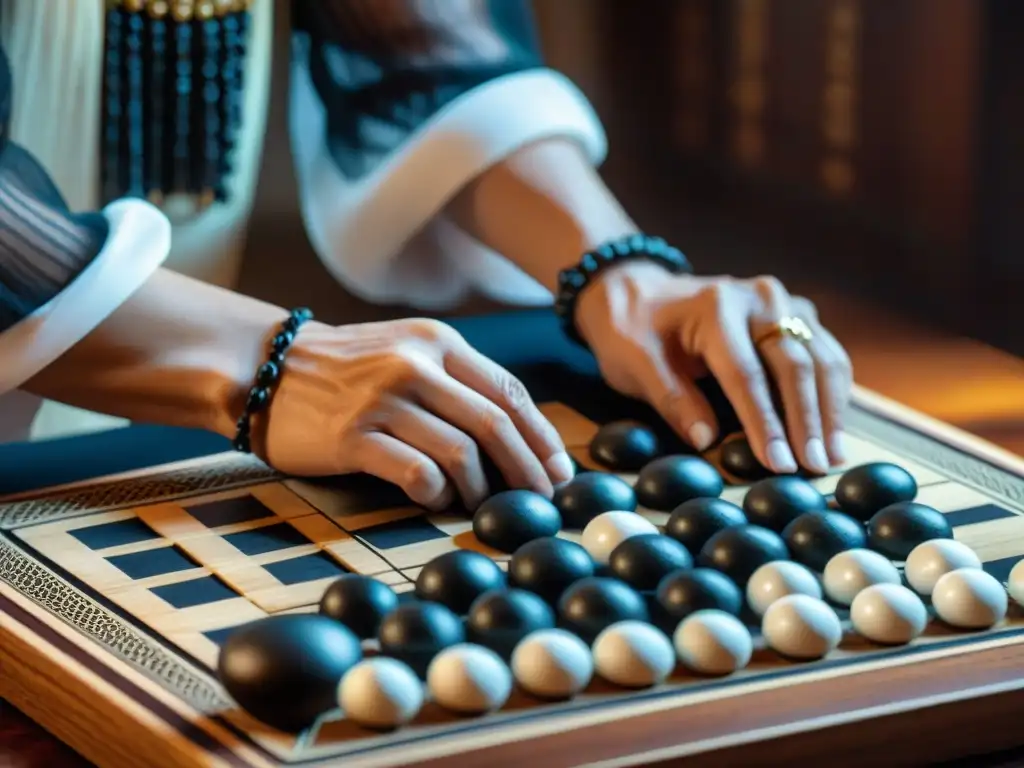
701, 436
837, 447
780, 457
560, 468
817, 459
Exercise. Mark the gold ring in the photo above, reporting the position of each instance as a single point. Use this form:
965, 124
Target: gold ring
793, 327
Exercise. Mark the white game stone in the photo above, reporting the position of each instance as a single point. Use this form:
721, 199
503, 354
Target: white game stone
969, 598
606, 531
633, 654
469, 679
889, 614
381, 693
931, 560
1015, 583
801, 627
851, 571
552, 664
778, 579
712, 642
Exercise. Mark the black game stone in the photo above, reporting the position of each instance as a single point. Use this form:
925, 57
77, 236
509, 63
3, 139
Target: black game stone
738, 459
624, 446
455, 579
593, 604
643, 561
895, 530
547, 567
695, 521
738, 552
590, 494
701, 589
358, 602
416, 632
775, 502
499, 620
510, 519
864, 490
814, 538
285, 670
667, 482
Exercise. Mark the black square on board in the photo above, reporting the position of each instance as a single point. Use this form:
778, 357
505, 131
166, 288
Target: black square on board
131, 531
401, 533
306, 568
1000, 569
270, 538
242, 509
153, 562
974, 515
188, 594
219, 636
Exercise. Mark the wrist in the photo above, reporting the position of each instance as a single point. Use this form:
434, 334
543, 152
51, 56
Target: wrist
611, 294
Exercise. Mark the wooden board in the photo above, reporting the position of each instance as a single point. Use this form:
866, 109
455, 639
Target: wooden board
116, 593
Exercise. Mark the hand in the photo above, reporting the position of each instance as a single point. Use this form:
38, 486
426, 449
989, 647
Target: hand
412, 403
653, 335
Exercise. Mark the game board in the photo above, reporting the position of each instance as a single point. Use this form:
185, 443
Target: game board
116, 593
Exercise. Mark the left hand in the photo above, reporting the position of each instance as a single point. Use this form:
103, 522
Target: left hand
654, 335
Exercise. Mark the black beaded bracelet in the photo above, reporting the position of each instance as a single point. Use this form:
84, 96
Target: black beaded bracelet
267, 376
572, 281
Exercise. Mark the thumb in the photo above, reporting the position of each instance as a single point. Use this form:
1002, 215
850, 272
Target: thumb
676, 398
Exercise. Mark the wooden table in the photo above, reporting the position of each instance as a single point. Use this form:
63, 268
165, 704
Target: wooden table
958, 381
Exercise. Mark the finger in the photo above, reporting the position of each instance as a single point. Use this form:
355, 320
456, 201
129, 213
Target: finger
455, 452
506, 391
411, 470
676, 399
793, 368
491, 427
834, 376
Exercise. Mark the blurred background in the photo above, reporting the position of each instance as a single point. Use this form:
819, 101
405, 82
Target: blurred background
868, 152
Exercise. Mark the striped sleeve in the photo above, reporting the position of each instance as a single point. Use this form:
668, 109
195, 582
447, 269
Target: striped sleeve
61, 273
396, 106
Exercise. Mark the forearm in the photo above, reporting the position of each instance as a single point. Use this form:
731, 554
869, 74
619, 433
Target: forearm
178, 352
542, 209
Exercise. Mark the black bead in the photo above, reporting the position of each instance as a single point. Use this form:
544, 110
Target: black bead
258, 399
359, 602
282, 341
267, 374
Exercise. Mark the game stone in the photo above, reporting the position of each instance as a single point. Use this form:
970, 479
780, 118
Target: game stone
969, 598
930, 561
711, 642
285, 670
738, 552
500, 619
850, 572
624, 446
776, 580
510, 519
633, 654
590, 605
549, 566
801, 627
359, 602
552, 664
895, 530
864, 490
643, 561
469, 679
889, 614
738, 459
1015, 583
667, 482
693, 522
814, 538
605, 532
590, 494
681, 594
775, 502
381, 693
456, 579
416, 632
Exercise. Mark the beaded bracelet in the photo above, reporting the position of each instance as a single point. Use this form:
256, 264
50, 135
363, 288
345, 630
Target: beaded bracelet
572, 281
267, 376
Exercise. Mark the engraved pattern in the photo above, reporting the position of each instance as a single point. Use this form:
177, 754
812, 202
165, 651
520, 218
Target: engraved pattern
61, 599
218, 474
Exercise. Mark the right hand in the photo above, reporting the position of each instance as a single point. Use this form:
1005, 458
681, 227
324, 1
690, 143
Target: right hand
412, 403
